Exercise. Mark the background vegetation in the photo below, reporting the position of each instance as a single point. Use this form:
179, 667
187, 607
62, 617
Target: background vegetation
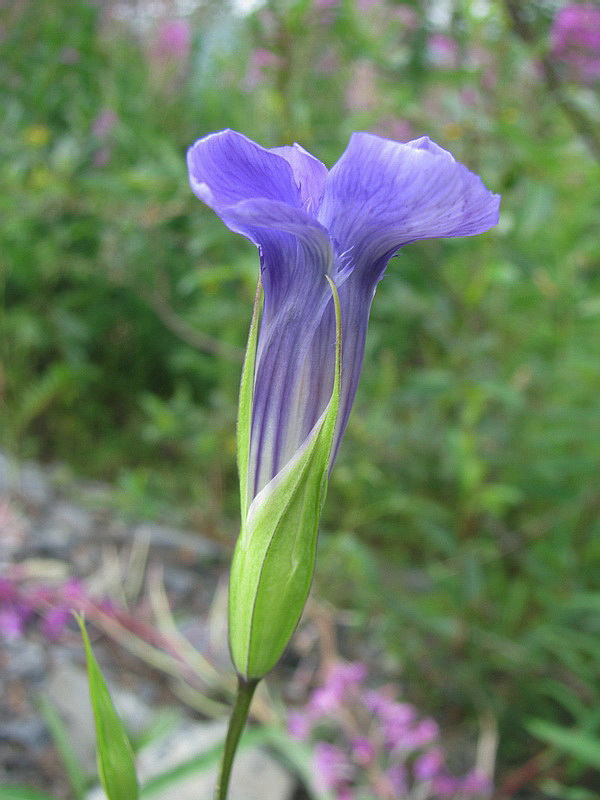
463, 520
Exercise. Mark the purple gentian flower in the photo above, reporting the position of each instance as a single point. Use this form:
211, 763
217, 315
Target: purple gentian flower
309, 222
325, 239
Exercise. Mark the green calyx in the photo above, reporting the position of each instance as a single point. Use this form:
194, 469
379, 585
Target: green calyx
274, 558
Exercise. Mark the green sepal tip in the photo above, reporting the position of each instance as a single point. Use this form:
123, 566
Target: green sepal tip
114, 755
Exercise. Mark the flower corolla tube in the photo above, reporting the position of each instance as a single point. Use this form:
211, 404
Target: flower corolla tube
324, 238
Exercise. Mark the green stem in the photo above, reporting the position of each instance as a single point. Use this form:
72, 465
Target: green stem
239, 715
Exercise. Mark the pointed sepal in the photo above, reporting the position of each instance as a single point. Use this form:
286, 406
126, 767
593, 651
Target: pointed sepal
244, 419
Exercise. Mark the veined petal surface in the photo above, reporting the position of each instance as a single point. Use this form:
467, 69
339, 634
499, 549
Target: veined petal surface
322, 236
308, 223
310, 174
227, 167
382, 194
265, 195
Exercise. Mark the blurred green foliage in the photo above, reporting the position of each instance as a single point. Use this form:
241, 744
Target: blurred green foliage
463, 519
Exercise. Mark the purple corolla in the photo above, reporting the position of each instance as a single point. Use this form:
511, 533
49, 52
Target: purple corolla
309, 222
325, 238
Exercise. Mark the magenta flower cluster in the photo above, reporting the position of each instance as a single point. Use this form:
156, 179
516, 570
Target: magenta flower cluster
46, 608
173, 40
369, 744
575, 40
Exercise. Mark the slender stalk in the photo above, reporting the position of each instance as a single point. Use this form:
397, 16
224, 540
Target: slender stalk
239, 715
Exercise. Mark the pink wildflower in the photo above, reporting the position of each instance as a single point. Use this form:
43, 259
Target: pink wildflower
55, 623
393, 128
299, 725
442, 51
104, 123
429, 765
397, 778
12, 623
363, 751
575, 40
262, 61
8, 591
362, 94
476, 782
345, 676
406, 16
323, 701
446, 785
425, 733
332, 766
73, 591
389, 753
173, 40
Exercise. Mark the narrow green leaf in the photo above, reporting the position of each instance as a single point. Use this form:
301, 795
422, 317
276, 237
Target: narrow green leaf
244, 420
22, 793
576, 743
274, 558
116, 767
557, 791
